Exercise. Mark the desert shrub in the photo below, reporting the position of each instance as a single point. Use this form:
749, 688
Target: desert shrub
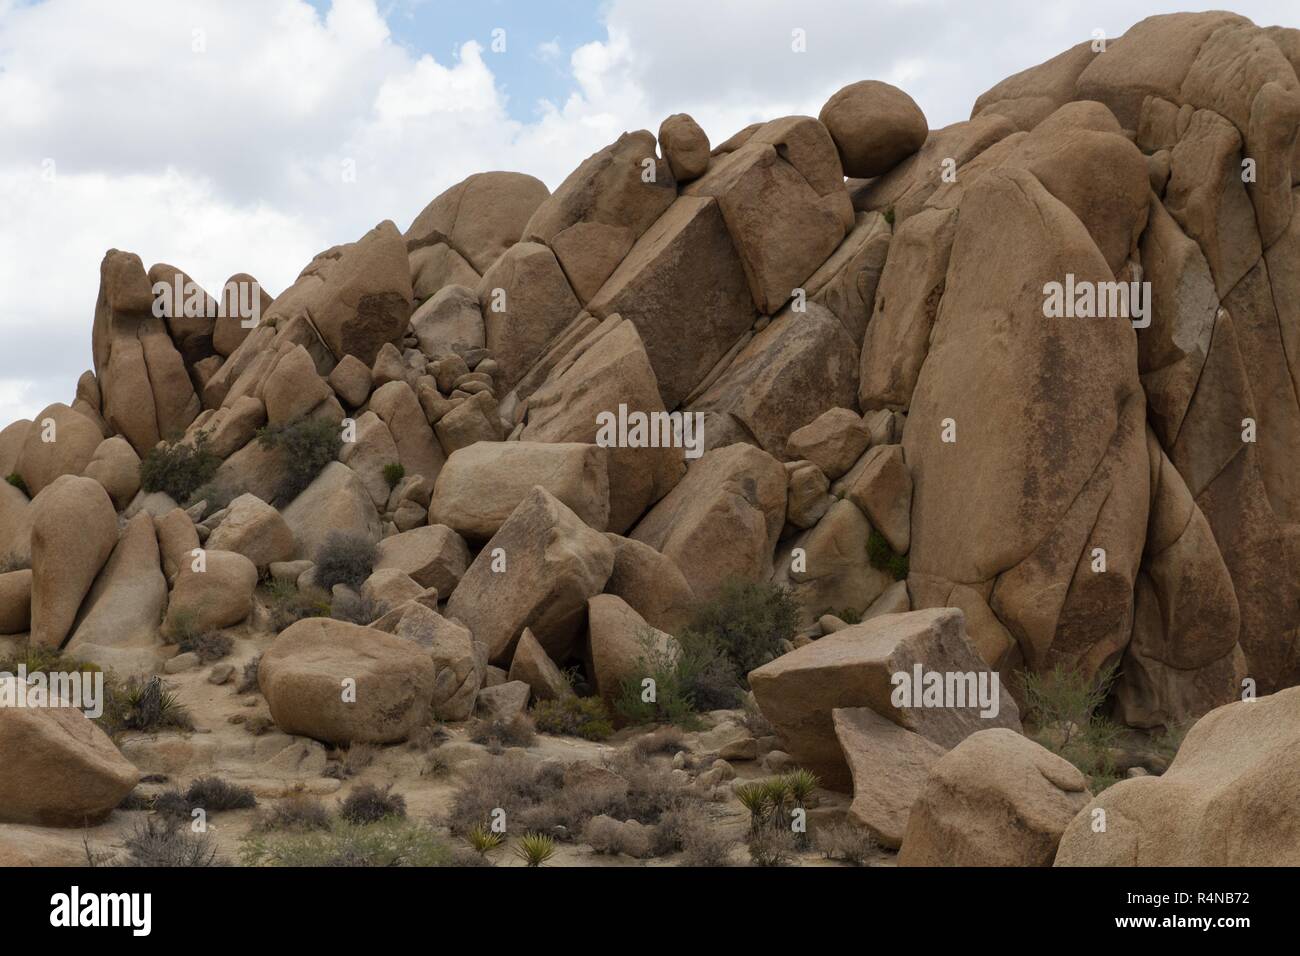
168, 843
772, 846
533, 796
848, 615
883, 558
753, 719
427, 736
652, 790
143, 704
297, 813
178, 469
210, 646
573, 716
662, 740
287, 605
535, 849
701, 841
210, 794
516, 732
1062, 707
698, 677
369, 804
845, 842
345, 558
748, 620
435, 765
351, 761
889, 215
306, 447
248, 679
1167, 741
357, 608
389, 842
16, 480
217, 494
394, 472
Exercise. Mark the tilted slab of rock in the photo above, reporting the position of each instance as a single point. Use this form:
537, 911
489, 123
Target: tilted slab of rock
73, 533
537, 571
532, 665
358, 296
684, 267
621, 645
60, 769
846, 282
481, 485
651, 584
434, 556
890, 766
335, 501
779, 225
1224, 801
118, 625
855, 667
605, 372
602, 208
526, 301
996, 799
905, 189
722, 520
451, 321
801, 365
417, 448
343, 684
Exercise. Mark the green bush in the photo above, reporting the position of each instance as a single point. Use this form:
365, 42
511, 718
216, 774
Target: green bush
288, 605
390, 842
748, 620
573, 716
394, 472
178, 469
306, 447
17, 481
883, 558
345, 557
1062, 707
698, 677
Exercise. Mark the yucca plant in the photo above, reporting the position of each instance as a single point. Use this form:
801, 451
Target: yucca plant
779, 800
801, 784
482, 839
754, 798
535, 848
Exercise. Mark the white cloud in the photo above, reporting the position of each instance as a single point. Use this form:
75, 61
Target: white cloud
230, 157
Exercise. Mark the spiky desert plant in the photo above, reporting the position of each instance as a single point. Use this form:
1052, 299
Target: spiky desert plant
483, 839
754, 798
801, 783
535, 848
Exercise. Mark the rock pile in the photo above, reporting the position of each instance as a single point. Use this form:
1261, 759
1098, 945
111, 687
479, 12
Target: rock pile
1018, 394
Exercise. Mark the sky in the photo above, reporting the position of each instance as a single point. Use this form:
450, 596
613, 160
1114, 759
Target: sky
227, 136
